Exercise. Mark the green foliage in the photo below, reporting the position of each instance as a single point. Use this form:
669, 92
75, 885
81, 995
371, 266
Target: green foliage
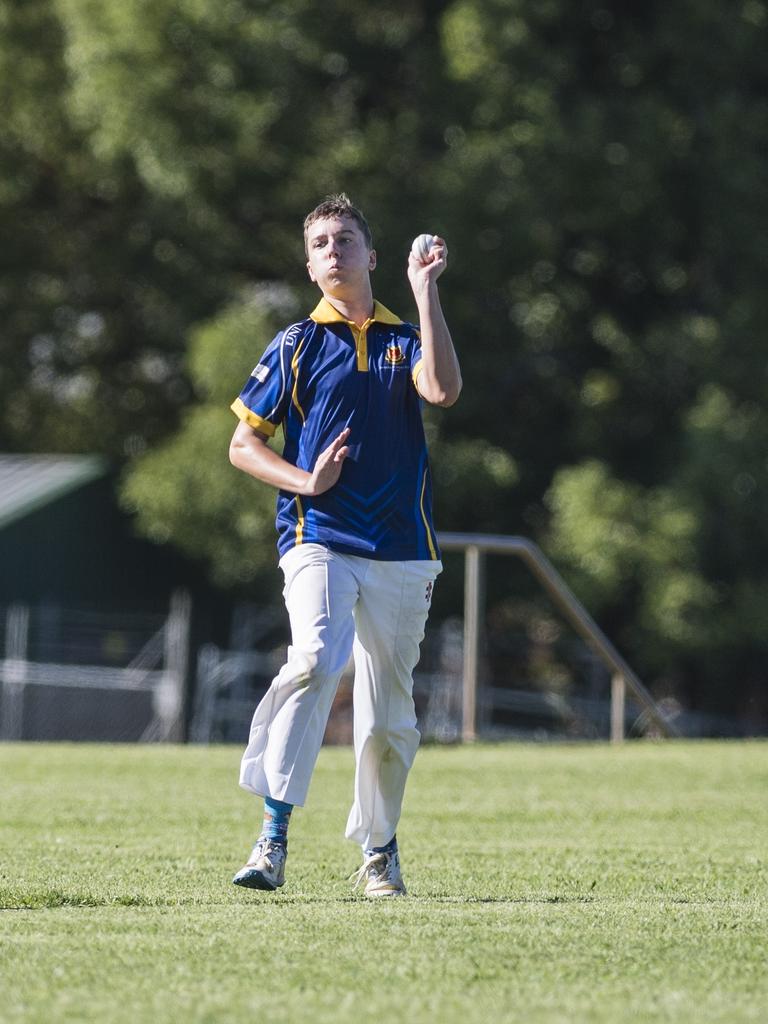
601, 885
626, 543
472, 480
724, 473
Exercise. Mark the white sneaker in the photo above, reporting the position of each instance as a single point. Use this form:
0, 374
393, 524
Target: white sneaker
265, 868
381, 873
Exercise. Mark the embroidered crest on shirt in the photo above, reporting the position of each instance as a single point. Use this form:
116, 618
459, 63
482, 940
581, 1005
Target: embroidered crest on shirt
393, 354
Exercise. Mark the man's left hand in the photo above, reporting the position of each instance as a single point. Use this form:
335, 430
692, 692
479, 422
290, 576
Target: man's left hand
422, 275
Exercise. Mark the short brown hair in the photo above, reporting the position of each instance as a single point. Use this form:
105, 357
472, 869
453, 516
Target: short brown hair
338, 206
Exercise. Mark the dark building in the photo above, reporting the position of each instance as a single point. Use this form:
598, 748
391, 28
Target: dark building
86, 606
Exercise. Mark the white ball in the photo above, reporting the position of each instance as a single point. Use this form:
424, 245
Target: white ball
421, 246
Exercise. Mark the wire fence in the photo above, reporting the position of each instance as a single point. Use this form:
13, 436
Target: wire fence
84, 674
92, 674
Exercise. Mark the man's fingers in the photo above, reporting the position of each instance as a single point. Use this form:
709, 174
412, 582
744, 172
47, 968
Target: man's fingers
328, 466
439, 250
338, 441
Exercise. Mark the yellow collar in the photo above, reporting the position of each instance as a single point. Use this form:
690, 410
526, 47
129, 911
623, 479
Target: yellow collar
325, 313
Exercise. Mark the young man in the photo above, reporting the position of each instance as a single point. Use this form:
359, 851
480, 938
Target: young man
356, 540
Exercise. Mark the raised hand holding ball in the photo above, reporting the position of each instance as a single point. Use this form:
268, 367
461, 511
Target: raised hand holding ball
421, 246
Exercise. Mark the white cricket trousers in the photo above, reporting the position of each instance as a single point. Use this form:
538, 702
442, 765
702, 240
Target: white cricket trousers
341, 604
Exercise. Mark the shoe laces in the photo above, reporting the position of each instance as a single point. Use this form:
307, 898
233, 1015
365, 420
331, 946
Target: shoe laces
267, 848
376, 864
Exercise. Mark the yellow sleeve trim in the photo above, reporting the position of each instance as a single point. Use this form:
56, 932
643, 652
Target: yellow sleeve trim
241, 410
416, 371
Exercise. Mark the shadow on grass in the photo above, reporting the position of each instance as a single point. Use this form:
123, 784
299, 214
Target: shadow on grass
56, 899
507, 899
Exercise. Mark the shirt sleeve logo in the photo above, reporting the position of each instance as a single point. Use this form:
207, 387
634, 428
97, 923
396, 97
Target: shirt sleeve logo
393, 354
260, 372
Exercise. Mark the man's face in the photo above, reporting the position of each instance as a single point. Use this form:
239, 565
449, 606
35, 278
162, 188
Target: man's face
339, 260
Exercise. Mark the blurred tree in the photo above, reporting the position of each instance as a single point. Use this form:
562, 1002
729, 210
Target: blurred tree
95, 298
613, 155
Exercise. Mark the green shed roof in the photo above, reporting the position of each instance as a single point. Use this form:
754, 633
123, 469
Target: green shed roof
28, 482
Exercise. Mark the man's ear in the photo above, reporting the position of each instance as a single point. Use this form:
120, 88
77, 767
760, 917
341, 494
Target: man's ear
311, 275
372, 260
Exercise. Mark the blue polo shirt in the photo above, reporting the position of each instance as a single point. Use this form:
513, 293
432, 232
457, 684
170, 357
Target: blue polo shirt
324, 374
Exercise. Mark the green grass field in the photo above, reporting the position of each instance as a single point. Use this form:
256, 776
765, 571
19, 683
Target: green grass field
548, 883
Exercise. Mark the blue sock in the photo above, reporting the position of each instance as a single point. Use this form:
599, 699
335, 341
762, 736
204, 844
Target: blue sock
277, 816
391, 847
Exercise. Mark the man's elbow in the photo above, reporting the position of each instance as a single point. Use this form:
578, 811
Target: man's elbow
446, 397
236, 452
452, 397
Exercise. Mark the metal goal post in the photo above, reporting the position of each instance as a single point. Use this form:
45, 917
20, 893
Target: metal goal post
475, 547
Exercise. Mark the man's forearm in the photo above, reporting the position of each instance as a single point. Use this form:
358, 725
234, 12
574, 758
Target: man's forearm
250, 452
255, 457
439, 381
